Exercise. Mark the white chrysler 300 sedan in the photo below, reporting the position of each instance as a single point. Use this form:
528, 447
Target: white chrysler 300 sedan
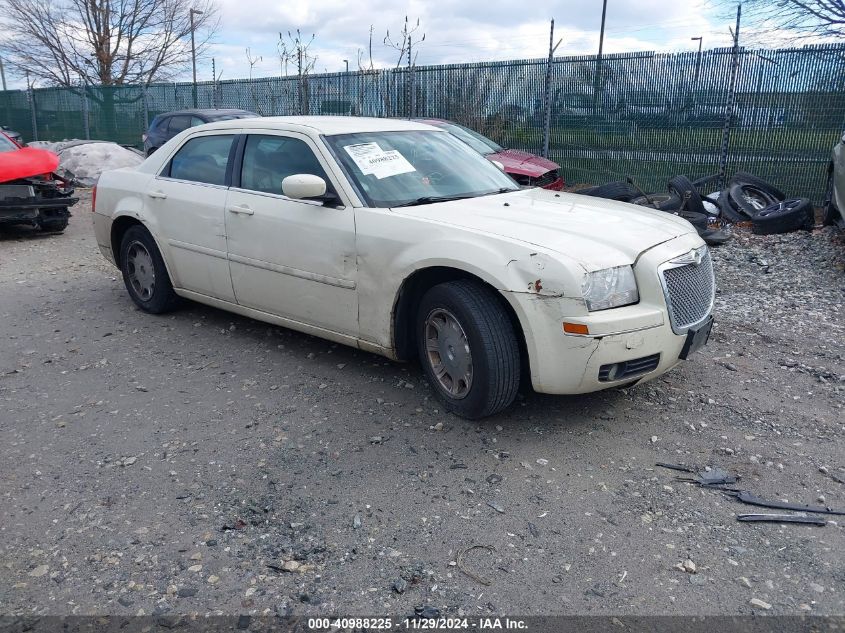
396, 238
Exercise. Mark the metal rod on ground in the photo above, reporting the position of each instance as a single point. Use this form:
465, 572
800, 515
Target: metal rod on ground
729, 108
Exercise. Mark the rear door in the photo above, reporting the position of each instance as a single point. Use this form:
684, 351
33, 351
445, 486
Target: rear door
187, 199
292, 258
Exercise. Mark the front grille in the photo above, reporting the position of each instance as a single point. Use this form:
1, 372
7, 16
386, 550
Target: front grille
546, 179
690, 290
628, 368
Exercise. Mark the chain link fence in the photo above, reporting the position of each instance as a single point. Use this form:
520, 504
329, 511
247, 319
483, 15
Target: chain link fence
647, 115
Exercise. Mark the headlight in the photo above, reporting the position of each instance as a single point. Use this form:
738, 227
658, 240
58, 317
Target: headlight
610, 288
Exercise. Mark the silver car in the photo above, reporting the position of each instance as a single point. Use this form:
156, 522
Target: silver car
835, 196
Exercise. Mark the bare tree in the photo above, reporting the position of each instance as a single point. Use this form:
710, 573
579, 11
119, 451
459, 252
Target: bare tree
103, 42
804, 18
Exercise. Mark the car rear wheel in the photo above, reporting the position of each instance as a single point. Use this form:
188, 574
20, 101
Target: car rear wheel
144, 272
468, 348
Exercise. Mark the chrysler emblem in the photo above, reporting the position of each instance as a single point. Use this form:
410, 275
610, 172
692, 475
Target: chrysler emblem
694, 257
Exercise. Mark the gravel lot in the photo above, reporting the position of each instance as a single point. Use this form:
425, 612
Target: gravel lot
207, 463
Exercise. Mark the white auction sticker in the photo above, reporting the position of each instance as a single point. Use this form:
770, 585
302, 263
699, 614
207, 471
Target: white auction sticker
373, 160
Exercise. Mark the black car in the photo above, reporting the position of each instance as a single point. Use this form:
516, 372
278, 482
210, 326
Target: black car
165, 126
15, 136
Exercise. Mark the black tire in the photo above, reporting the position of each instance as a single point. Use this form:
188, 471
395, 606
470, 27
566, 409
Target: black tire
616, 190
659, 201
698, 220
161, 297
831, 213
750, 199
786, 216
728, 209
701, 183
493, 347
682, 187
53, 225
742, 177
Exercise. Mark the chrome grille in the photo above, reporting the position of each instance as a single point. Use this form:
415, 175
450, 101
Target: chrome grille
690, 289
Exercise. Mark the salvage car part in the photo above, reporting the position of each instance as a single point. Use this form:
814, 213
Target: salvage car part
761, 184
682, 187
780, 518
782, 217
834, 201
729, 211
659, 201
750, 199
746, 497
616, 190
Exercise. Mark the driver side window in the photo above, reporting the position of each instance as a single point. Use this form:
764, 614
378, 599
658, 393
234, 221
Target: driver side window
270, 159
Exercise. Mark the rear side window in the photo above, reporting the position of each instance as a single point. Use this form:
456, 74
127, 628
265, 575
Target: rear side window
178, 124
270, 159
203, 159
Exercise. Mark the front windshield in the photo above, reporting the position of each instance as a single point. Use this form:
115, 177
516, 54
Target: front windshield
414, 167
6, 145
476, 141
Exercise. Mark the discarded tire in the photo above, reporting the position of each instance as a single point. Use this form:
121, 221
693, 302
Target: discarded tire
698, 220
683, 187
782, 217
728, 209
616, 190
742, 177
659, 201
750, 199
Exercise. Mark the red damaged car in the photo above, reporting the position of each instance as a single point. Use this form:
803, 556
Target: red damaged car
529, 170
30, 192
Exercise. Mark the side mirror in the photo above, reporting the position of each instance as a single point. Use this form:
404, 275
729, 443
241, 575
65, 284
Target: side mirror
498, 164
301, 186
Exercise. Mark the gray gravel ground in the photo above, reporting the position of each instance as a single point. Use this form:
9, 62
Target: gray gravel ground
207, 463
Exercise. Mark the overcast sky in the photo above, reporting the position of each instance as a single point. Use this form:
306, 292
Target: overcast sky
456, 31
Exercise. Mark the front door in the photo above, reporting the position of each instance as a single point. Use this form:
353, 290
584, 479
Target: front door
292, 258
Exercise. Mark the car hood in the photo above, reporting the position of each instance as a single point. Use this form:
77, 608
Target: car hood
26, 162
596, 233
523, 163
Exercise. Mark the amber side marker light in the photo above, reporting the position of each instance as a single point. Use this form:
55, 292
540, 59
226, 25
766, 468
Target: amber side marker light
575, 328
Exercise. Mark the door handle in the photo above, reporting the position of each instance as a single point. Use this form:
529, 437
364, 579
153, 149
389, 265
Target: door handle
157, 194
242, 209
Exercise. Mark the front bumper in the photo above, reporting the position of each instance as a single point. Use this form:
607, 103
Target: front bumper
570, 364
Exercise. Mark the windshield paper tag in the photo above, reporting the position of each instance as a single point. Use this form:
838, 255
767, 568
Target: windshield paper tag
372, 160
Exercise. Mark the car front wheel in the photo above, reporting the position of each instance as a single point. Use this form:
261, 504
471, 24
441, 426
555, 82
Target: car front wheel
468, 348
144, 272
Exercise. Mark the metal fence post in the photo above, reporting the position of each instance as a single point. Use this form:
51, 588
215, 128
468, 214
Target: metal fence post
547, 94
34, 119
729, 107
85, 123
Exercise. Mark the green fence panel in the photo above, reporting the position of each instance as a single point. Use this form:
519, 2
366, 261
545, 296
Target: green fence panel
646, 115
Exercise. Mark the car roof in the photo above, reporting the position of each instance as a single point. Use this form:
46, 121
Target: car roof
328, 125
207, 111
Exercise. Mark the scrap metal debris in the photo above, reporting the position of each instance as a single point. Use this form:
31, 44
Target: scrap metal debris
713, 477
746, 497
780, 518
471, 574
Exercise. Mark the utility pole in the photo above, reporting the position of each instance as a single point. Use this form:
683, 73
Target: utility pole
3, 74
597, 82
729, 110
194, 52
547, 90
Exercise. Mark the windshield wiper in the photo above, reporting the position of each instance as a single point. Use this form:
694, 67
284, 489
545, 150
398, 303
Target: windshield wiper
430, 200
